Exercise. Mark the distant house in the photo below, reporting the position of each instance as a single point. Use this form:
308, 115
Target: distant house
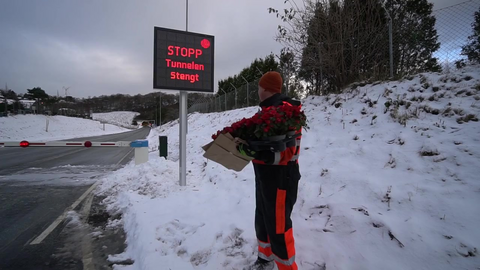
27, 104
9, 101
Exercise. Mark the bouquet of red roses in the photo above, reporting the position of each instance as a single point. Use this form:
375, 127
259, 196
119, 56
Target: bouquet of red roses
271, 121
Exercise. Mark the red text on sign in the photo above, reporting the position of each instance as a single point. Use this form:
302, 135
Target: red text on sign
192, 65
184, 77
184, 51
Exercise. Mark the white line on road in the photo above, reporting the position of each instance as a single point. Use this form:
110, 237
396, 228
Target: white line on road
57, 221
85, 211
87, 256
124, 157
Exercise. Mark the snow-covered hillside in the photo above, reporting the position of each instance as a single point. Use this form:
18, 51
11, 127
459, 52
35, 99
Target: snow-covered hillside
390, 180
122, 119
34, 127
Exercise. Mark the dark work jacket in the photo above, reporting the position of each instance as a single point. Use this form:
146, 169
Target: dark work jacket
273, 172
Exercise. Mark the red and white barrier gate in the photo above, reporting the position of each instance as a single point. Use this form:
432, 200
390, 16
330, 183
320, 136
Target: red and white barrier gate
141, 147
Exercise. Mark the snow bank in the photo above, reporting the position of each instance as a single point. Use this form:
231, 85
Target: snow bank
33, 127
389, 181
122, 119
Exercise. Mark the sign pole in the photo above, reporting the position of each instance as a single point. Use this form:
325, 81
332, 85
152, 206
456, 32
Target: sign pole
183, 61
160, 109
183, 124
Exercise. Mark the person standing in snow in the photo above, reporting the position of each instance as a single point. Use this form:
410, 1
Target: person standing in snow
276, 183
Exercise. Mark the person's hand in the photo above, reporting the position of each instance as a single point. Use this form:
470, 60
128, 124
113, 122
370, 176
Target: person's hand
246, 151
239, 141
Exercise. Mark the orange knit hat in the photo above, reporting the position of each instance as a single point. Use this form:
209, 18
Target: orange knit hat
271, 81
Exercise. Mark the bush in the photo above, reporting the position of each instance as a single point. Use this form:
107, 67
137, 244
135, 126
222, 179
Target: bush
467, 118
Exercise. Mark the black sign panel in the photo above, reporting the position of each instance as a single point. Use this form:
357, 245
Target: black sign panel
183, 60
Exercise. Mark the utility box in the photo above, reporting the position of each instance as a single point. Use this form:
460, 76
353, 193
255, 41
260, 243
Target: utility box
163, 146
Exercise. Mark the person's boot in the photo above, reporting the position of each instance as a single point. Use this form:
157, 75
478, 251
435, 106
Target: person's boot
261, 264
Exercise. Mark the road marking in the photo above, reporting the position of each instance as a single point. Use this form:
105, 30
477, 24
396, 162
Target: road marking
57, 221
87, 257
124, 157
85, 211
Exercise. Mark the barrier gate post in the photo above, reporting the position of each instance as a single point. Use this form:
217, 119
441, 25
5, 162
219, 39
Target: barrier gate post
141, 151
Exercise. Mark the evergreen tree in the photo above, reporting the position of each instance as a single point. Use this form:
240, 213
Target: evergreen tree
37, 92
251, 73
472, 48
414, 35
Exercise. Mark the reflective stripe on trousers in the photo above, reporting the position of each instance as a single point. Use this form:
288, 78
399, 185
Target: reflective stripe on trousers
265, 252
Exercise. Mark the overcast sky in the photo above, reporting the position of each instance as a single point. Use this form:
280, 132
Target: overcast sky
103, 47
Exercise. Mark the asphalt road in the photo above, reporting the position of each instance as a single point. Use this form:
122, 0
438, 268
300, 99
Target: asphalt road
37, 185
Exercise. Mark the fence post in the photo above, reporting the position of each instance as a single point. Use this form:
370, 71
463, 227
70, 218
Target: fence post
248, 93
261, 73
225, 94
320, 44
235, 95
390, 41
390, 30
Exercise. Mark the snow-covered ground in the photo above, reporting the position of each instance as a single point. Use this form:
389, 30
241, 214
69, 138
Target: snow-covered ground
390, 180
122, 119
34, 127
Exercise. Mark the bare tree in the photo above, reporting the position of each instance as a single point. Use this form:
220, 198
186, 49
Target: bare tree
337, 42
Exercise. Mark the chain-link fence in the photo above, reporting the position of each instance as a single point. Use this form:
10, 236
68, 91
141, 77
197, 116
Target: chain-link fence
386, 45
454, 25
240, 97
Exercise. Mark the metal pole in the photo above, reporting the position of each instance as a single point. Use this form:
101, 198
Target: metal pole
390, 30
390, 40
261, 73
248, 94
321, 65
160, 108
235, 95
183, 125
6, 101
225, 94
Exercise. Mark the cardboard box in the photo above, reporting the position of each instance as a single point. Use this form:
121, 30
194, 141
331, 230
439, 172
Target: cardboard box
224, 152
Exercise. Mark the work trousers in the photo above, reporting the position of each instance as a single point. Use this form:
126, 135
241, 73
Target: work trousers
276, 193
